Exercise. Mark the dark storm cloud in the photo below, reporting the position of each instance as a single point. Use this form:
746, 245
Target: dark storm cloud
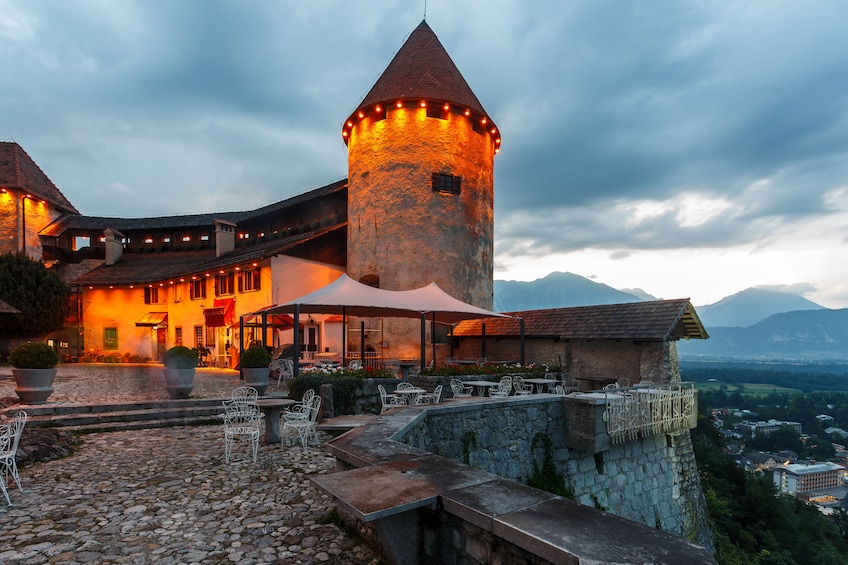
611, 112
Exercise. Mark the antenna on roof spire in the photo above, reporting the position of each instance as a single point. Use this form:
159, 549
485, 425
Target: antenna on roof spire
425, 9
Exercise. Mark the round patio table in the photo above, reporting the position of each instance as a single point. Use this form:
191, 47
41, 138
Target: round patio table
481, 386
272, 407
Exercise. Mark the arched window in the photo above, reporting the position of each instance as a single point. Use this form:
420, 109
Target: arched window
371, 280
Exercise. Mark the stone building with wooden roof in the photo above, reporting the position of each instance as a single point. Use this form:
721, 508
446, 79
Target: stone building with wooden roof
594, 344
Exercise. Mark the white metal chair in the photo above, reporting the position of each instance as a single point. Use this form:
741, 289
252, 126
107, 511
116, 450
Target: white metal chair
355, 365
430, 397
10, 436
560, 390
623, 382
388, 401
552, 378
404, 386
459, 389
305, 428
521, 388
504, 387
245, 421
284, 368
245, 394
611, 386
300, 411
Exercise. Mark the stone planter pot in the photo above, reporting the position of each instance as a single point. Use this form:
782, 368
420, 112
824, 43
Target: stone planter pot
257, 378
179, 382
34, 386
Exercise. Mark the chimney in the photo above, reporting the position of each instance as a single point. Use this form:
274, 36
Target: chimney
225, 237
114, 245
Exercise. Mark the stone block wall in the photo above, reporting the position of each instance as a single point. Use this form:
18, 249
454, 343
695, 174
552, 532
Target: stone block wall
653, 481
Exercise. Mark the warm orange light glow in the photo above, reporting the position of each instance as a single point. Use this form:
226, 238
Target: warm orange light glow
483, 121
222, 272
161, 284
193, 277
377, 108
208, 275
467, 112
182, 280
361, 114
110, 286
349, 124
344, 134
493, 130
131, 286
399, 104
447, 107
498, 140
91, 288
3, 190
423, 103
238, 268
169, 282
255, 264
497, 150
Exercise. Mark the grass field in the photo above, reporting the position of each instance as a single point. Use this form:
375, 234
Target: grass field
754, 389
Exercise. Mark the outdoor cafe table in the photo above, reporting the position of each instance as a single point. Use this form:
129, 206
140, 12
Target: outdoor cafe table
541, 383
410, 395
481, 386
272, 407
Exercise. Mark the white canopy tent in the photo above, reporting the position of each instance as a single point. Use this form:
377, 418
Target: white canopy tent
350, 298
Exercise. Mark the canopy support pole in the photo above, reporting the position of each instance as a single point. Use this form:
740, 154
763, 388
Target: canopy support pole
344, 337
424, 340
433, 337
362, 343
241, 346
483, 339
264, 329
521, 322
296, 340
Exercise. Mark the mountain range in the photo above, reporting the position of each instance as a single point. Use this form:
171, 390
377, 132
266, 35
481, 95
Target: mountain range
754, 324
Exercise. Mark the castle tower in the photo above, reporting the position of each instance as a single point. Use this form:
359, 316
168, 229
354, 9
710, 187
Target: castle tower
420, 171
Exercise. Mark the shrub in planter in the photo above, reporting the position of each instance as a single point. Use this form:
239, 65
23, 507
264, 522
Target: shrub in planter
255, 358
33, 355
34, 368
180, 362
254, 363
180, 357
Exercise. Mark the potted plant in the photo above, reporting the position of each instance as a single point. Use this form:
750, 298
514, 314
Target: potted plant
34, 368
180, 363
255, 364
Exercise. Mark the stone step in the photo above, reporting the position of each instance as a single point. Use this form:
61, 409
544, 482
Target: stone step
67, 409
76, 420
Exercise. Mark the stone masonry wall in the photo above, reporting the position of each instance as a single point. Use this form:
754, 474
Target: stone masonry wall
652, 481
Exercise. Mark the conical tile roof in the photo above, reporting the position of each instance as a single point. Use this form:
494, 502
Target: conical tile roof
19, 171
423, 69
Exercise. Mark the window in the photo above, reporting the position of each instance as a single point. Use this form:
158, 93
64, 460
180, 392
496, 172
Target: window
152, 295
197, 289
225, 284
148, 240
110, 338
186, 238
178, 336
211, 333
444, 183
249, 280
198, 336
371, 280
166, 239
81, 241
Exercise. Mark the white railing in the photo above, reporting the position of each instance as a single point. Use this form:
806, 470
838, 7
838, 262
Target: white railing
635, 412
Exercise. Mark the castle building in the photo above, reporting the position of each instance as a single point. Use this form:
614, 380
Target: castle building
417, 208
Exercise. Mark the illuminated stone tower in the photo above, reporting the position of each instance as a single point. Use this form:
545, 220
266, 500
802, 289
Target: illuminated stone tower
421, 185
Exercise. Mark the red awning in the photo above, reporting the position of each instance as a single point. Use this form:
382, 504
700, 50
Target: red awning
214, 317
153, 319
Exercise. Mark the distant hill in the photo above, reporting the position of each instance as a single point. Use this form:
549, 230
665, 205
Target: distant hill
557, 290
801, 335
750, 306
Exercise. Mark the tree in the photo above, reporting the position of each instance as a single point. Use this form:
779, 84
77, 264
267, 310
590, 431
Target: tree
36, 291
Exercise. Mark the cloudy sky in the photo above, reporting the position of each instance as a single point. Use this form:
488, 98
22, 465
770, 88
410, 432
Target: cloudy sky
690, 149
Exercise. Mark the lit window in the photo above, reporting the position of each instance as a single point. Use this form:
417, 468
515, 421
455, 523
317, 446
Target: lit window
197, 289
444, 183
152, 295
225, 284
248, 280
204, 237
110, 338
166, 239
148, 240
81, 241
178, 336
186, 238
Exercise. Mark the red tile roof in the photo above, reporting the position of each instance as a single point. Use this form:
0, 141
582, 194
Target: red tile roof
19, 171
422, 69
651, 320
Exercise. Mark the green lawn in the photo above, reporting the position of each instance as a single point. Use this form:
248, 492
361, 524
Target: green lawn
754, 389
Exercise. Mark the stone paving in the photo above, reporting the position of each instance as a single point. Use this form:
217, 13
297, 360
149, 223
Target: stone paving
166, 496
